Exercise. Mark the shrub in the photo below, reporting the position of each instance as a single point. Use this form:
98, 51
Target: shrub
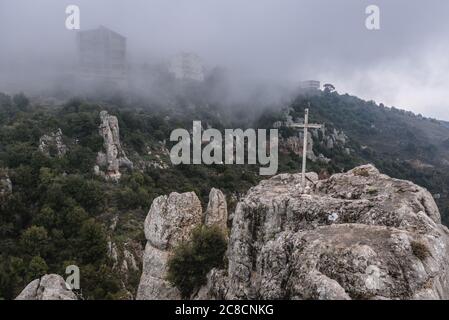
93, 242
363, 172
37, 268
34, 240
420, 250
191, 261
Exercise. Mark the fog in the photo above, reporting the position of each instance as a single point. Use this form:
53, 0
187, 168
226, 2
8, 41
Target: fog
265, 46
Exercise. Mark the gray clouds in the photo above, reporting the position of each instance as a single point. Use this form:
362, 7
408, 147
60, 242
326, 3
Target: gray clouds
270, 41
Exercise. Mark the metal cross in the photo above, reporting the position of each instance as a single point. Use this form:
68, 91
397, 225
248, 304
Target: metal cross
305, 126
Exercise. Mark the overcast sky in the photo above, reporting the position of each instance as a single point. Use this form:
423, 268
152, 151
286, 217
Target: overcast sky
405, 64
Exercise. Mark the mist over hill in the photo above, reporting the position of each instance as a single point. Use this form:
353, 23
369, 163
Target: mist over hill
402, 64
54, 191
87, 178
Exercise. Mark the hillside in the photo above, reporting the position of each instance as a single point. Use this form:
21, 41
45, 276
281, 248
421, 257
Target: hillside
56, 210
399, 143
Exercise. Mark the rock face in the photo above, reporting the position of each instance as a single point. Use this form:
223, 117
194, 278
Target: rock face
53, 144
334, 138
49, 287
114, 156
217, 211
5, 183
357, 235
126, 258
295, 145
170, 221
327, 138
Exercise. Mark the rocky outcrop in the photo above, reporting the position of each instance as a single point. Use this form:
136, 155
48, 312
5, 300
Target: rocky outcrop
169, 222
5, 183
126, 258
53, 144
357, 235
334, 138
131, 259
217, 211
325, 137
295, 144
49, 287
114, 157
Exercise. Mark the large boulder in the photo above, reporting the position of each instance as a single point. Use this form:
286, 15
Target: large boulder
48, 287
169, 222
356, 235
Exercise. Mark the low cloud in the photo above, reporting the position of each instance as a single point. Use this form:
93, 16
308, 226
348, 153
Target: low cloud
268, 43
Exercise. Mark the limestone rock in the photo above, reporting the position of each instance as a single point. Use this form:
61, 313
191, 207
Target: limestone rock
217, 211
333, 138
169, 222
215, 288
130, 260
53, 144
357, 235
126, 257
295, 145
327, 138
5, 183
48, 287
112, 253
113, 157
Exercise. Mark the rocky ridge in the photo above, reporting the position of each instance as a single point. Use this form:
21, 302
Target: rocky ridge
357, 235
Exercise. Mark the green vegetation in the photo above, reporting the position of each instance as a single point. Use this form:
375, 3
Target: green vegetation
389, 138
420, 250
60, 213
191, 261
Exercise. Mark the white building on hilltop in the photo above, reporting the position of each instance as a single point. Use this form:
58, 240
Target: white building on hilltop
102, 54
187, 66
310, 85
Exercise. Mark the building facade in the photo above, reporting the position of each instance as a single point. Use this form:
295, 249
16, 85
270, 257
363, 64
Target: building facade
102, 54
187, 67
310, 85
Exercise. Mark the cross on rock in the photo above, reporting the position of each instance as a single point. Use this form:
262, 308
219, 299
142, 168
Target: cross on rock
305, 126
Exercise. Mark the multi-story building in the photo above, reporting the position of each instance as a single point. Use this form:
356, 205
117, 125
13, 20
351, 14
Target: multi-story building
187, 66
102, 54
310, 85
